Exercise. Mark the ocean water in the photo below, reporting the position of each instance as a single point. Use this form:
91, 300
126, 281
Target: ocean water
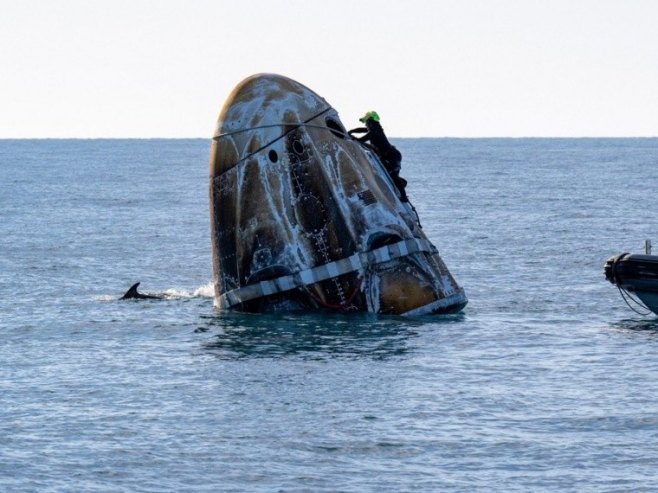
545, 382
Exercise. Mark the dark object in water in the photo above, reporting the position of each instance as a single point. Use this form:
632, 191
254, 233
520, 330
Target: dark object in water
636, 276
133, 294
304, 217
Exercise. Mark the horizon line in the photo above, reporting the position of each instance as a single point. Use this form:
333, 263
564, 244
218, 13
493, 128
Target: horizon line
483, 137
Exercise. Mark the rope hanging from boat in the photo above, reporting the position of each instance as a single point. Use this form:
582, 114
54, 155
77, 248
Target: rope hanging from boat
624, 294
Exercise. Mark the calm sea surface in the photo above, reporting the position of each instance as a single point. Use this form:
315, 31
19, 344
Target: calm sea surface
546, 382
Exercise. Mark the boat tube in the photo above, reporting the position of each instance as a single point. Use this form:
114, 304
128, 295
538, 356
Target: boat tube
635, 275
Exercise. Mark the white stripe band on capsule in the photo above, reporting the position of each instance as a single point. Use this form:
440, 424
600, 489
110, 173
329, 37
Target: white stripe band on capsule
323, 272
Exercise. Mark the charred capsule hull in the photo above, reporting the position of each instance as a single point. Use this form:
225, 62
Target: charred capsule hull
304, 217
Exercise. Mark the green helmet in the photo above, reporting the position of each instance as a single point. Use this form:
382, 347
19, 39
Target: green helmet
371, 115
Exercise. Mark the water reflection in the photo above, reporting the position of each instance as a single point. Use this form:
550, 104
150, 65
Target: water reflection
312, 336
648, 326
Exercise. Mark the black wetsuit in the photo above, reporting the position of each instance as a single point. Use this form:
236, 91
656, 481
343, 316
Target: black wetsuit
388, 153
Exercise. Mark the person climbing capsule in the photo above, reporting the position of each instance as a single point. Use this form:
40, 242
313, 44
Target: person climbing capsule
388, 154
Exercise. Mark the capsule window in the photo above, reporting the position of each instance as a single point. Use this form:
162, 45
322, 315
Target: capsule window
336, 128
298, 147
382, 239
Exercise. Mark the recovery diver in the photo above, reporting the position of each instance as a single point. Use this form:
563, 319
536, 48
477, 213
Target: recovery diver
387, 153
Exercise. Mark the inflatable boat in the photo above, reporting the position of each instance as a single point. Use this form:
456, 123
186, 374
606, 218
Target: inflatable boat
636, 276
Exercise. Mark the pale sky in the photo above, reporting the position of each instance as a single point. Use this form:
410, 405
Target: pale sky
462, 68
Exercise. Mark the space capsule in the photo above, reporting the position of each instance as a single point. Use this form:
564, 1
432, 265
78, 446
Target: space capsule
304, 217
